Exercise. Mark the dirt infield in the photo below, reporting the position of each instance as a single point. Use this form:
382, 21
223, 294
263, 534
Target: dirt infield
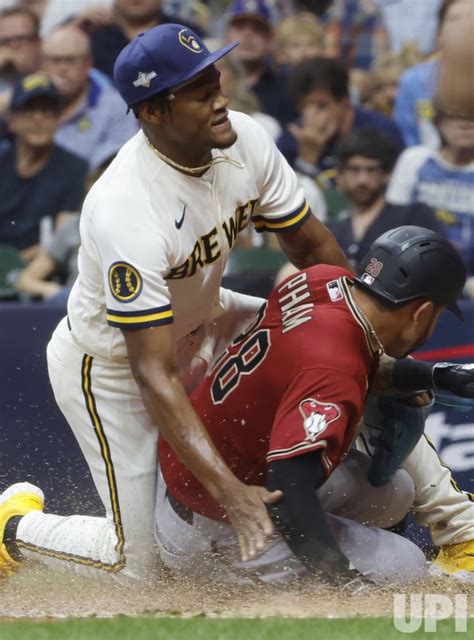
40, 593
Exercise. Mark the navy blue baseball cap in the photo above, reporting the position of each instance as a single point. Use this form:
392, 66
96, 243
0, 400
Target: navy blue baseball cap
35, 85
254, 9
161, 59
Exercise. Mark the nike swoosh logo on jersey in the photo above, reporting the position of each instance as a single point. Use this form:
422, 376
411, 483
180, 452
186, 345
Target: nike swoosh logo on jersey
179, 223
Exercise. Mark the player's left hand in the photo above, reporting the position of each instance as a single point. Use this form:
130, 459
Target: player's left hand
247, 513
456, 378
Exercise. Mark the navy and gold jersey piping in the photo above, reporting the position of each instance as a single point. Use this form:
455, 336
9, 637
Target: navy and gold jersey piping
104, 448
140, 319
289, 222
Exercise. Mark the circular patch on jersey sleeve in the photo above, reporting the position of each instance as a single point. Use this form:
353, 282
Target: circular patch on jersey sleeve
125, 281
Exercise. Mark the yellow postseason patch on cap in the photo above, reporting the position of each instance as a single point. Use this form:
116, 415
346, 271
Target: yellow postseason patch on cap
125, 281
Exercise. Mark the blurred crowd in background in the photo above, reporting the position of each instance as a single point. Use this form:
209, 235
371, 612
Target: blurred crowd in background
346, 88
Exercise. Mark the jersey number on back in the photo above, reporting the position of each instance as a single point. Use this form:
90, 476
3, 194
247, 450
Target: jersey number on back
251, 354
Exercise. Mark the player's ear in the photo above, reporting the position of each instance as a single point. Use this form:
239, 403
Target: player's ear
423, 310
151, 112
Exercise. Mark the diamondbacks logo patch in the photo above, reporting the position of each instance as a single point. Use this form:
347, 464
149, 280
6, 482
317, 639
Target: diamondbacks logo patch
125, 281
189, 41
317, 416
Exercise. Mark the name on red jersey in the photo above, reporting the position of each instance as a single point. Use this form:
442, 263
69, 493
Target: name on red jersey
291, 297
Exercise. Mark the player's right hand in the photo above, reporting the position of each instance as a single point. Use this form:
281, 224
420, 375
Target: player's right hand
245, 506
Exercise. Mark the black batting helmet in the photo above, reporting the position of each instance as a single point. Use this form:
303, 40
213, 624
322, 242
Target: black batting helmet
410, 262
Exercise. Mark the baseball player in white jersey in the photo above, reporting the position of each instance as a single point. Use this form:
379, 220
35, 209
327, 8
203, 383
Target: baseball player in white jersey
147, 316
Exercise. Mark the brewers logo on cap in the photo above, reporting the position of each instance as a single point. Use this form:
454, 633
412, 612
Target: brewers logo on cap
125, 281
187, 39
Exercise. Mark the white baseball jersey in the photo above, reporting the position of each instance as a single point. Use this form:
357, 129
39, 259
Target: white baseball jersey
155, 241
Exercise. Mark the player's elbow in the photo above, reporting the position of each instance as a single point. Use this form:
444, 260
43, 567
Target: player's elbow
154, 376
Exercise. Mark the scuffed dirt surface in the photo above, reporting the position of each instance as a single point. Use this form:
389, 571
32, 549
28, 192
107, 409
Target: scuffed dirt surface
40, 593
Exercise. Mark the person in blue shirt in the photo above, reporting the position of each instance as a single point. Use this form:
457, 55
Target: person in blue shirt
407, 21
414, 103
321, 89
444, 180
94, 120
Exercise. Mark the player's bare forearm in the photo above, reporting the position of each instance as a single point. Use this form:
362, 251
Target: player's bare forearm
166, 401
311, 244
152, 359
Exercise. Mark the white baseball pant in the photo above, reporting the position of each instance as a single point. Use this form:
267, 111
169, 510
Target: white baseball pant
118, 438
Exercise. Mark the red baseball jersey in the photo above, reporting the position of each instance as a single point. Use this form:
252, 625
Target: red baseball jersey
294, 382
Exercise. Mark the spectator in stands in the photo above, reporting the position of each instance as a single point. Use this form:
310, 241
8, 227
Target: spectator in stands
321, 90
39, 180
298, 37
93, 119
194, 13
444, 180
380, 90
454, 90
86, 14
355, 33
131, 17
248, 21
409, 22
38, 7
19, 49
414, 102
241, 98
318, 7
365, 160
51, 274
57, 256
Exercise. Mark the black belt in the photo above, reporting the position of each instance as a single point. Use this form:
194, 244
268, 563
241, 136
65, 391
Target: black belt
181, 510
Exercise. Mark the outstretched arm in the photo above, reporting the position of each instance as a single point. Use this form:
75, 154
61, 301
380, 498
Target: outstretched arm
153, 362
301, 520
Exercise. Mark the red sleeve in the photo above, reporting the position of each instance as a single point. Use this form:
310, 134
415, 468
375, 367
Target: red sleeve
321, 409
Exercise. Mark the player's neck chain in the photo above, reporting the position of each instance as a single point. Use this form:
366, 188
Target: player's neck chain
372, 338
372, 332
195, 170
